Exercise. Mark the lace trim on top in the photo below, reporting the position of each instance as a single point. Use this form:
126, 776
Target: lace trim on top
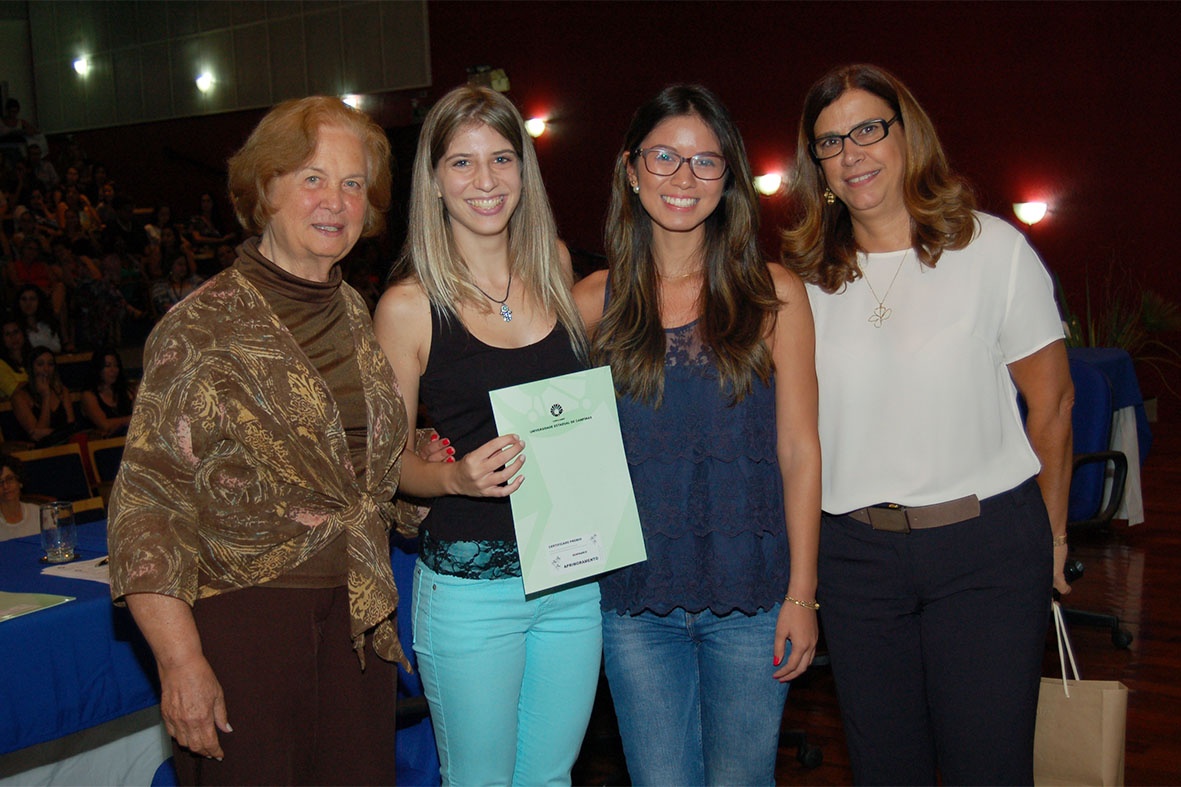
695, 421
470, 559
709, 492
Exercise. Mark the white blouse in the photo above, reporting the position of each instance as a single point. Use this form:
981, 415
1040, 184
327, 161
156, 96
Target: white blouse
921, 409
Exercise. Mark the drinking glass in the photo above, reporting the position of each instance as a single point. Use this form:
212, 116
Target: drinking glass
59, 535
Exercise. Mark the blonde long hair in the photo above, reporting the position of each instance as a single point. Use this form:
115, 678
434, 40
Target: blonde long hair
430, 249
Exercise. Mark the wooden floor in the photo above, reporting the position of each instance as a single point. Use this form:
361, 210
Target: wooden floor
1135, 571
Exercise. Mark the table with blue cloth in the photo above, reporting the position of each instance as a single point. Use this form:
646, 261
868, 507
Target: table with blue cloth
1130, 432
75, 679
79, 691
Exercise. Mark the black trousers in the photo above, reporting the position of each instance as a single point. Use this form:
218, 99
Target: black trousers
937, 638
302, 710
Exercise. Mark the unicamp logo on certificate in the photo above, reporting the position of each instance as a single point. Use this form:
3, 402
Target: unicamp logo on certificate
575, 515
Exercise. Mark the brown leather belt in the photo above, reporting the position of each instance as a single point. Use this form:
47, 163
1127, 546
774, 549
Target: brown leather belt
894, 518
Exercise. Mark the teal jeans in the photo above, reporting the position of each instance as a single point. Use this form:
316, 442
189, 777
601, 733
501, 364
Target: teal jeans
510, 682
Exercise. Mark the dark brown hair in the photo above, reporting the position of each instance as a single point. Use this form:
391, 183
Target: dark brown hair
738, 295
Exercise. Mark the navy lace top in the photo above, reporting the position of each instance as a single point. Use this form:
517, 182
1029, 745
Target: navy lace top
707, 484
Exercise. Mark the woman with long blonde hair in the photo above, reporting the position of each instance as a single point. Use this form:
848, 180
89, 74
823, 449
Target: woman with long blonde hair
510, 681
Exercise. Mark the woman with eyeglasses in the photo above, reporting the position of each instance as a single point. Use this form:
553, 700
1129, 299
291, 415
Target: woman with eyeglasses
19, 518
712, 355
945, 517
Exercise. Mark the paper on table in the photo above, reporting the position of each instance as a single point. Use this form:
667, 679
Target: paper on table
13, 605
575, 515
95, 570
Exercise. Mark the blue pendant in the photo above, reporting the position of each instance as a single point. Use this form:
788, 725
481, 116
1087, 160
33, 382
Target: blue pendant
506, 313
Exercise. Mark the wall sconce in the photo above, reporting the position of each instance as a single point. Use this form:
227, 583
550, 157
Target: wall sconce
205, 82
768, 184
535, 127
82, 66
353, 100
1030, 212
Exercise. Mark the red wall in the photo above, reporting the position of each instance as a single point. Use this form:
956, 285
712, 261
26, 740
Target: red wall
1074, 103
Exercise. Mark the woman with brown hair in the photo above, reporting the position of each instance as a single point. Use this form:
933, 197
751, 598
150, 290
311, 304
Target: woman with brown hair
945, 516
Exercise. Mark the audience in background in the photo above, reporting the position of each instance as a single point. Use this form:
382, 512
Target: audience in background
12, 356
37, 318
16, 518
43, 407
107, 398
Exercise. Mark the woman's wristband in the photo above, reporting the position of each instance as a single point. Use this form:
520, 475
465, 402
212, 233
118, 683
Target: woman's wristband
815, 605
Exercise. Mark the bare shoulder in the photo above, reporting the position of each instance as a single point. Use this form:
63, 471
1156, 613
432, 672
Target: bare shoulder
402, 319
564, 257
789, 287
588, 297
406, 300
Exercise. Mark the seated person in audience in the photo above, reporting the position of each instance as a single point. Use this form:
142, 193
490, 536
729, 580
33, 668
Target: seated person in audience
37, 318
43, 172
16, 518
43, 407
12, 124
30, 266
168, 292
12, 356
225, 255
107, 400
100, 308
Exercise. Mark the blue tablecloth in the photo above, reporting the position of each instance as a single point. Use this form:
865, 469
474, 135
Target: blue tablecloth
73, 666
1120, 371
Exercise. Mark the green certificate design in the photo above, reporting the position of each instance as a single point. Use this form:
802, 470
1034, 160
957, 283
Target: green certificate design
575, 514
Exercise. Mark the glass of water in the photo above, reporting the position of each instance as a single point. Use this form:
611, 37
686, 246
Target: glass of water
59, 535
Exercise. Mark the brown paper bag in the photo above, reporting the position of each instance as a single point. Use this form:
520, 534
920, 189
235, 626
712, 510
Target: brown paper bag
1080, 726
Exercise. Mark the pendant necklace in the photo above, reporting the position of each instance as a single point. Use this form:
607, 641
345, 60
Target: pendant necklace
506, 313
881, 313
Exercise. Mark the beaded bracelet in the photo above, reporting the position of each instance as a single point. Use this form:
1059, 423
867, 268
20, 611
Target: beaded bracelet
1060, 541
815, 605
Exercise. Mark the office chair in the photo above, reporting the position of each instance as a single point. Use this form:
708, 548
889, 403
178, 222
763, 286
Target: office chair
1091, 421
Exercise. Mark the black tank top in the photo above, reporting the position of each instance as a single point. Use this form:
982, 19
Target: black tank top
460, 372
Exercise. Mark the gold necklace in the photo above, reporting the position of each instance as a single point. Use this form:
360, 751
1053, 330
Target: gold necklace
881, 313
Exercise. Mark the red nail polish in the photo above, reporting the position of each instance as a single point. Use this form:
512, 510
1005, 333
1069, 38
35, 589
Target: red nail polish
450, 451
446, 441
450, 459
434, 436
776, 661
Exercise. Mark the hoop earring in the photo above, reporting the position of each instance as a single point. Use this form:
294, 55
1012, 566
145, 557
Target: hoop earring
829, 197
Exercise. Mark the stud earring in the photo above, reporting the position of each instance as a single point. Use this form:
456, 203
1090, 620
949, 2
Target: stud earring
635, 188
829, 197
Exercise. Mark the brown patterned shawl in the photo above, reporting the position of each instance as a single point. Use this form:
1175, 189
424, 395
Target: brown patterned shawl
237, 469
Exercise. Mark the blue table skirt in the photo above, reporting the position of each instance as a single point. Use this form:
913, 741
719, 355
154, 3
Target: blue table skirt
71, 667
1120, 371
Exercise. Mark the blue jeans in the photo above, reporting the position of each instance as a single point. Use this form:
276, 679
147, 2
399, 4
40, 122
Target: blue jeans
510, 682
694, 695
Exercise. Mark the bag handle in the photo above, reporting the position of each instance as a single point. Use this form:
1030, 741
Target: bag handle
1064, 644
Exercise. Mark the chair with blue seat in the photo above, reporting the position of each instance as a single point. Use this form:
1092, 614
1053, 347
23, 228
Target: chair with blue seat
1091, 422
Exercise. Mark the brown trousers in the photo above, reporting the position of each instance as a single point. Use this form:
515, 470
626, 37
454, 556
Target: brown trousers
302, 710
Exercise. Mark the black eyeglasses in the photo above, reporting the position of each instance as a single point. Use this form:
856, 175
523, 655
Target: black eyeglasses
863, 134
664, 162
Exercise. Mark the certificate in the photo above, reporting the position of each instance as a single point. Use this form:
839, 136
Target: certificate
575, 514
